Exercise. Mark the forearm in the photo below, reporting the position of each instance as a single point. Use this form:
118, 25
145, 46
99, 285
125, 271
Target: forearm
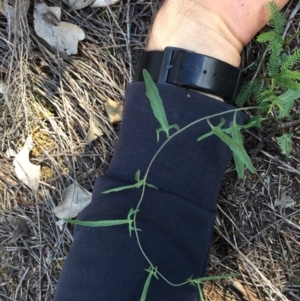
176, 220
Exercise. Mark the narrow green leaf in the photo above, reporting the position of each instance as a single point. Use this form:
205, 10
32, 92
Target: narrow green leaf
152, 272
235, 143
157, 106
211, 278
254, 122
151, 186
138, 184
137, 175
105, 223
120, 188
201, 295
205, 136
108, 223
237, 149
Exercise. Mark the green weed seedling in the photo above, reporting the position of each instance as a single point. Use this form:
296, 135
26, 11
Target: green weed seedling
275, 93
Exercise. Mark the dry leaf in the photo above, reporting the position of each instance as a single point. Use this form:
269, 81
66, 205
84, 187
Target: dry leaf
20, 228
27, 172
114, 110
79, 4
285, 201
247, 294
94, 130
63, 35
74, 200
101, 3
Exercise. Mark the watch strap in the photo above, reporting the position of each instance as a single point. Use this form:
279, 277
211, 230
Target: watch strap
188, 69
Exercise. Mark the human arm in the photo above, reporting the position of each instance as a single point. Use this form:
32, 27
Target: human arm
176, 221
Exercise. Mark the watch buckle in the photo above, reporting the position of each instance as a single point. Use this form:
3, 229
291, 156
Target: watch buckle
166, 63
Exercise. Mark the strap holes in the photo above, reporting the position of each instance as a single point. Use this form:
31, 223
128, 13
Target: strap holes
204, 71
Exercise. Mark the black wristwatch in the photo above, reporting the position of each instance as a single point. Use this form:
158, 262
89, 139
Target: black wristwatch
184, 68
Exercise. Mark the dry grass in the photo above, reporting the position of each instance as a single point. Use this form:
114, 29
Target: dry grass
51, 96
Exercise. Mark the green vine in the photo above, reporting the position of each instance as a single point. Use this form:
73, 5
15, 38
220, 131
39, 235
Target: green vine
271, 98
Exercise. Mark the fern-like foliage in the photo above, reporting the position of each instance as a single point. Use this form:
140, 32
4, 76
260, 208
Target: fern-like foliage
244, 94
274, 60
277, 21
291, 60
267, 90
277, 90
268, 36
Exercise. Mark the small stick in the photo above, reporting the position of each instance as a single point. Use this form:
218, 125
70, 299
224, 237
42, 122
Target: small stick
290, 124
8, 180
290, 168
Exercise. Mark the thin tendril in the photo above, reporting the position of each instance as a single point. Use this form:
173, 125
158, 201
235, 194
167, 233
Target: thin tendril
145, 180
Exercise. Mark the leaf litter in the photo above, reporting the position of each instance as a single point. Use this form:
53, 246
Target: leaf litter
74, 200
113, 110
27, 172
94, 130
20, 228
285, 201
62, 35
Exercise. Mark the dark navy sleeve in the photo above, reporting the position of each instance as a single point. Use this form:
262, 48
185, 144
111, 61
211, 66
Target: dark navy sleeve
176, 221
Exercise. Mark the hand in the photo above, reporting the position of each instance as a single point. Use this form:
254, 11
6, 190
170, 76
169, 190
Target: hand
218, 28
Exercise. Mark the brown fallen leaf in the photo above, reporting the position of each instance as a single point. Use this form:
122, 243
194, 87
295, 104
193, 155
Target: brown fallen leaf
285, 201
247, 294
94, 130
114, 110
20, 228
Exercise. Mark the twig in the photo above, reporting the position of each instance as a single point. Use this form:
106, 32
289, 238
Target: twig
128, 26
289, 168
8, 180
292, 15
22, 279
290, 124
261, 144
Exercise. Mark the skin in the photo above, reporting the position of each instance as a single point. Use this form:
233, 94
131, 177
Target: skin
218, 28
